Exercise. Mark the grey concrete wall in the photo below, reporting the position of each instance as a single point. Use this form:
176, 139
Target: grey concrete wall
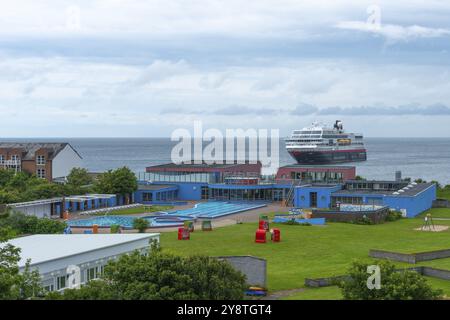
436, 273
410, 258
395, 256
255, 269
377, 216
425, 271
441, 203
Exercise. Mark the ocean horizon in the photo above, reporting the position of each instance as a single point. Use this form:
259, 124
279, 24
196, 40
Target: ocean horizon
425, 158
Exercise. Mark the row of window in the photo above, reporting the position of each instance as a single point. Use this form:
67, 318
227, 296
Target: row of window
40, 160
62, 282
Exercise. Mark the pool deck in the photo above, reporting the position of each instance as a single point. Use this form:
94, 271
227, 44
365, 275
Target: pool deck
231, 219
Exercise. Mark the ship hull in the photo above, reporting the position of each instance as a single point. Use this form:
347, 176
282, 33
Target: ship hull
328, 157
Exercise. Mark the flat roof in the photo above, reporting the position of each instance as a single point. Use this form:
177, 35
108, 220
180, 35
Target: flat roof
155, 187
48, 247
411, 191
299, 166
200, 165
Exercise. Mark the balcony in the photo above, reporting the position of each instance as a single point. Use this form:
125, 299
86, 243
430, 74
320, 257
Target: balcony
10, 164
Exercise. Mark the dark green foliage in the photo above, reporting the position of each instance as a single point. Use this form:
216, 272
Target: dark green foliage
115, 228
120, 181
79, 177
161, 276
363, 221
15, 285
20, 223
292, 222
395, 285
140, 224
394, 216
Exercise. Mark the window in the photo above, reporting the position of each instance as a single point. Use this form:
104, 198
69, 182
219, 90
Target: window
94, 273
2, 158
15, 157
40, 160
61, 282
49, 288
40, 173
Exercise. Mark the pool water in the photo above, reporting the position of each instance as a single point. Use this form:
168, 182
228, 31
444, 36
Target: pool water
212, 209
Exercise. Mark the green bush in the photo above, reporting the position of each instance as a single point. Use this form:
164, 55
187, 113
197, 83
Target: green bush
292, 222
115, 228
395, 285
363, 221
140, 224
394, 216
24, 224
162, 276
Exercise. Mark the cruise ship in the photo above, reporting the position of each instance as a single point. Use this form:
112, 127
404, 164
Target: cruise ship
319, 144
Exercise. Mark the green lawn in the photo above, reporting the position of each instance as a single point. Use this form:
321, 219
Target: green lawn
315, 251
444, 193
437, 213
325, 293
138, 210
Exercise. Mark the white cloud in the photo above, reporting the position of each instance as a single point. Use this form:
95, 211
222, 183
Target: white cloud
395, 32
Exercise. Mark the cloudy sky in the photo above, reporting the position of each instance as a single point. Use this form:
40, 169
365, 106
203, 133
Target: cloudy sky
144, 68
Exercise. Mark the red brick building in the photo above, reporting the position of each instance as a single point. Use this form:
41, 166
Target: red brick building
45, 160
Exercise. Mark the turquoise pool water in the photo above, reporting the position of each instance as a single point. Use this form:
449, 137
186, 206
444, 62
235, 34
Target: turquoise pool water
211, 209
214, 209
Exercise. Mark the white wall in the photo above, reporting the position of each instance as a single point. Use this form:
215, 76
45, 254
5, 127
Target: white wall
40, 211
66, 160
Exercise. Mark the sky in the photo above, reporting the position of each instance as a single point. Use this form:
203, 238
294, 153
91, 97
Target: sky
116, 68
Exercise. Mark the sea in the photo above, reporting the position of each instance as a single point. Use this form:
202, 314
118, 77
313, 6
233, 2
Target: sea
425, 158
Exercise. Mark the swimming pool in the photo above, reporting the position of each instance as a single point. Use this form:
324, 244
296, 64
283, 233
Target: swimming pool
212, 209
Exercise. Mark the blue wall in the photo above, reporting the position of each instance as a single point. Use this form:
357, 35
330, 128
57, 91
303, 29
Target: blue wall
413, 205
302, 195
186, 191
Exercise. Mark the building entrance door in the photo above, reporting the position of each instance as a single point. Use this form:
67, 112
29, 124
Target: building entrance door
313, 199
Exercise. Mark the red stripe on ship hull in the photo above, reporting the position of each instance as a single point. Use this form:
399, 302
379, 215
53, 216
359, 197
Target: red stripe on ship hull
330, 151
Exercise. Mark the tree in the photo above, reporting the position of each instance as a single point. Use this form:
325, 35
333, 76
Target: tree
79, 177
395, 285
20, 223
140, 224
13, 284
121, 181
162, 276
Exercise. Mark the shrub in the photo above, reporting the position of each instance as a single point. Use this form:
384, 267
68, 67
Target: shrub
24, 224
115, 228
395, 285
140, 224
292, 222
363, 221
162, 276
393, 216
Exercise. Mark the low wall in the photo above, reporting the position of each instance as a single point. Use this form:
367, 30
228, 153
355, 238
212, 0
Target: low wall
441, 203
255, 269
410, 257
376, 216
424, 271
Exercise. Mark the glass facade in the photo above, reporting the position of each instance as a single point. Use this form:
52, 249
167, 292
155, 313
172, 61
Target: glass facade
177, 176
266, 194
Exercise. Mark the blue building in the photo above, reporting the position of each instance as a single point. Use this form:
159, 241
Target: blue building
244, 182
409, 198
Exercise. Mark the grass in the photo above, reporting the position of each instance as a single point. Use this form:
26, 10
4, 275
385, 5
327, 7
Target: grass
139, 210
437, 213
325, 293
443, 193
315, 251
